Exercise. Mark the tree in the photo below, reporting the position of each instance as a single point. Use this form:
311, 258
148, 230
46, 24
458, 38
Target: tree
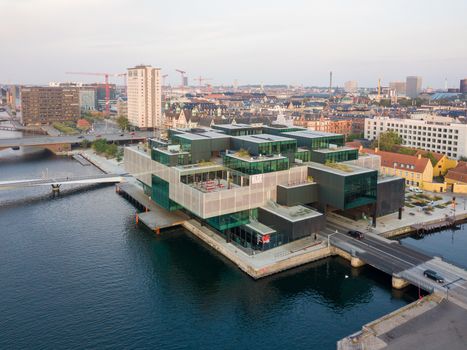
387, 141
100, 145
123, 123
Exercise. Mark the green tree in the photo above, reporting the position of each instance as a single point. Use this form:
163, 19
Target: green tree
431, 157
123, 123
387, 141
352, 137
85, 143
100, 145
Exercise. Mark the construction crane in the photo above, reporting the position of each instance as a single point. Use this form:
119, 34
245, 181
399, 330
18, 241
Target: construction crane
182, 75
200, 80
163, 79
107, 87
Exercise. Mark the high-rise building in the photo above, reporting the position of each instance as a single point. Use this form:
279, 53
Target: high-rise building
398, 86
45, 105
413, 86
144, 97
463, 86
351, 86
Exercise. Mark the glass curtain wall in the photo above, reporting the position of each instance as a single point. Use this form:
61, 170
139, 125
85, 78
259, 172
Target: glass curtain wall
360, 190
252, 167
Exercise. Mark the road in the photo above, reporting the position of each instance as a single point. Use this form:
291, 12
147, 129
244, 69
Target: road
50, 140
406, 263
388, 256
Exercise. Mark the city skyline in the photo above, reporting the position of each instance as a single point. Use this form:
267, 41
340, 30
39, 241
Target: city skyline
267, 42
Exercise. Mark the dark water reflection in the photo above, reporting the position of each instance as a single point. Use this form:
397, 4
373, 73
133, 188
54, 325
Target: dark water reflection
77, 273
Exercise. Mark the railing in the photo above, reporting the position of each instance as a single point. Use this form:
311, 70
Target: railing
418, 282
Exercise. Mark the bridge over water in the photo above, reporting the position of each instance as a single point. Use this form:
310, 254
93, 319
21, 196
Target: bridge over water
58, 181
405, 264
64, 143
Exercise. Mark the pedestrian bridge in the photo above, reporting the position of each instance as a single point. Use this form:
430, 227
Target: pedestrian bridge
58, 181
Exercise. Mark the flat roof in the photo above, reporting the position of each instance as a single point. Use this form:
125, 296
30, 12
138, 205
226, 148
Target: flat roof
311, 134
282, 126
191, 169
262, 138
202, 135
254, 159
235, 126
260, 228
166, 151
388, 178
332, 150
293, 214
352, 169
303, 184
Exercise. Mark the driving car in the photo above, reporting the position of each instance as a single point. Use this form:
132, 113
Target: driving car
355, 234
433, 275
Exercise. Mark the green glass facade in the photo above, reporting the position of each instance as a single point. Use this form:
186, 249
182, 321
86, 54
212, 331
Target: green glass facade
238, 131
185, 144
256, 167
228, 221
160, 194
325, 141
160, 157
276, 147
303, 155
334, 156
360, 189
279, 130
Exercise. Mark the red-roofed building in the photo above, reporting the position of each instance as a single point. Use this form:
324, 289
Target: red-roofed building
416, 170
457, 178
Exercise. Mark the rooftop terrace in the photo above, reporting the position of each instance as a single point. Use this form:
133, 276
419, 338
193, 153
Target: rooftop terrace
293, 213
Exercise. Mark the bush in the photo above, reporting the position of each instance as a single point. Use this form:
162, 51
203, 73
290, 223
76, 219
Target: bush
65, 129
102, 147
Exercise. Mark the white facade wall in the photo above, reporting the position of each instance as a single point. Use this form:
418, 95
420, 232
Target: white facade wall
144, 91
431, 133
207, 205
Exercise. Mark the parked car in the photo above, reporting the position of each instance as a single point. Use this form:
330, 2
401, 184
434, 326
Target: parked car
433, 275
81, 137
355, 234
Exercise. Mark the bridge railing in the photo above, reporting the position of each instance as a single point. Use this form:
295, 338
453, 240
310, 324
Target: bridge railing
416, 281
432, 253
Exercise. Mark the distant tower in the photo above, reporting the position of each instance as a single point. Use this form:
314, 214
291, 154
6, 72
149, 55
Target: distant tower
379, 89
330, 83
445, 84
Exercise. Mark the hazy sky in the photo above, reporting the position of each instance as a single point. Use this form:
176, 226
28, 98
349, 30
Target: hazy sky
254, 41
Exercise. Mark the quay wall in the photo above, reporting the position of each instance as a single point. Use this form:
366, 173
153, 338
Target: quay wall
258, 271
405, 230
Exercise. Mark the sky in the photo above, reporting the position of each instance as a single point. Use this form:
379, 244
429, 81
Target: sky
271, 42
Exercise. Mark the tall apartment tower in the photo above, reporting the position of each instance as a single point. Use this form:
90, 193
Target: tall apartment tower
463, 86
351, 86
144, 97
413, 86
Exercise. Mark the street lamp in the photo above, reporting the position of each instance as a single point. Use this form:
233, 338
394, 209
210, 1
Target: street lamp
329, 236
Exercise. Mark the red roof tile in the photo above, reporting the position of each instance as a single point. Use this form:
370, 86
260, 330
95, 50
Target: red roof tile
388, 159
